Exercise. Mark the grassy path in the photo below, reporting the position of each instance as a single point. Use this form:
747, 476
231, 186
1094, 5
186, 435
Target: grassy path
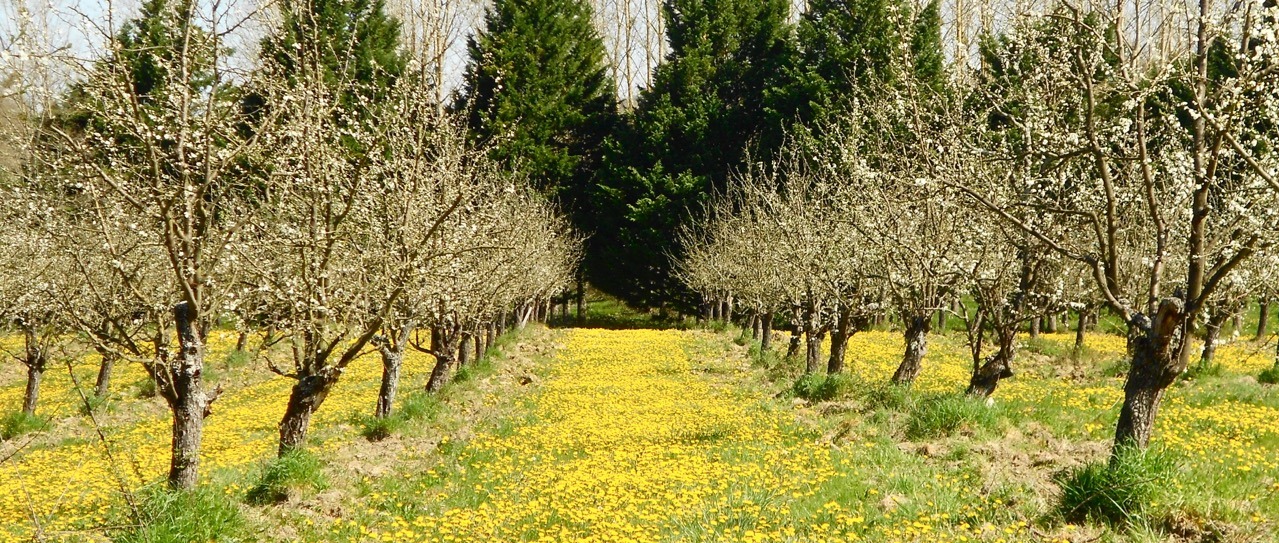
633, 439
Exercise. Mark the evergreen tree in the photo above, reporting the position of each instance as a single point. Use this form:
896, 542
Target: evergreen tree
710, 104
537, 88
350, 40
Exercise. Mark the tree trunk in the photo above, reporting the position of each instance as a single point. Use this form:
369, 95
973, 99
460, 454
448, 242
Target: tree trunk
1050, 323
242, 341
998, 366
1081, 328
392, 360
766, 332
1034, 327
755, 326
1212, 333
796, 334
490, 333
1263, 318
305, 398
581, 297
464, 350
104, 374
813, 360
941, 320
442, 348
839, 340
1156, 363
814, 333
35, 372
916, 346
181, 388
477, 344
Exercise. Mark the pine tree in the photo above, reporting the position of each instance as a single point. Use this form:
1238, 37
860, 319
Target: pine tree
710, 104
538, 90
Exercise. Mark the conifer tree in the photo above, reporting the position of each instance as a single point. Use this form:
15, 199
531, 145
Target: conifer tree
537, 89
709, 107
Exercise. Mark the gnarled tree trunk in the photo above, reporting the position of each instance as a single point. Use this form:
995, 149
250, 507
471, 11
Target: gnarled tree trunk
181, 386
917, 327
1156, 362
443, 349
998, 366
305, 399
392, 360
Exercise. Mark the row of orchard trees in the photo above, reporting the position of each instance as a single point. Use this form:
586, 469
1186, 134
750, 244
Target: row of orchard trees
1086, 165
320, 201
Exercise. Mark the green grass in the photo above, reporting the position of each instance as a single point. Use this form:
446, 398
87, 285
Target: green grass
820, 387
1270, 376
946, 414
415, 406
205, 515
1118, 491
19, 424
297, 471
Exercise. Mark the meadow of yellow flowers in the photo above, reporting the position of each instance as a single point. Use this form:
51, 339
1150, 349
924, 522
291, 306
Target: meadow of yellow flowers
654, 436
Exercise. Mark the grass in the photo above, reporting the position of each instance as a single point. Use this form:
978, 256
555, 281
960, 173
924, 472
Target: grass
820, 387
946, 414
418, 405
19, 423
1269, 376
298, 471
1119, 490
205, 514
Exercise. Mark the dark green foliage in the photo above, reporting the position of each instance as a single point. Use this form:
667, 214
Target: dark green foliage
297, 470
19, 423
149, 44
353, 40
707, 106
820, 387
203, 514
538, 90
1270, 376
945, 414
1117, 491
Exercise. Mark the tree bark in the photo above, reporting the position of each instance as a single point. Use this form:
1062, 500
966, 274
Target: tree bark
916, 346
181, 388
35, 372
477, 343
392, 360
1034, 327
755, 326
305, 398
442, 349
1081, 328
941, 320
839, 340
581, 297
1156, 363
464, 350
997, 367
813, 360
1212, 333
766, 339
490, 333
100, 387
796, 335
1263, 318
242, 341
